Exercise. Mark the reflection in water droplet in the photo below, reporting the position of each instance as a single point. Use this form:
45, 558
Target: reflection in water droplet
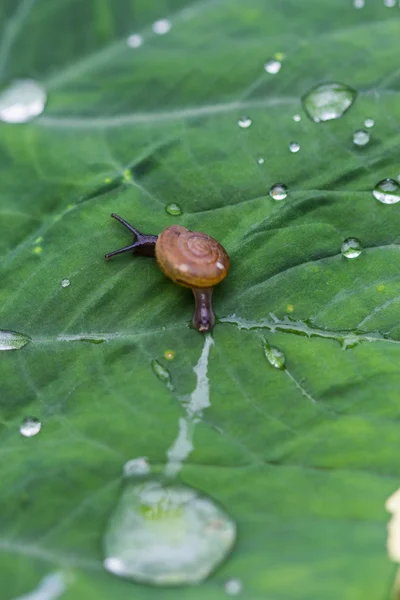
233, 587
22, 101
30, 427
260, 160
65, 283
361, 137
162, 373
173, 209
137, 467
161, 26
359, 3
12, 340
296, 118
275, 357
369, 123
272, 66
166, 534
328, 101
351, 248
278, 191
294, 147
135, 40
244, 122
387, 191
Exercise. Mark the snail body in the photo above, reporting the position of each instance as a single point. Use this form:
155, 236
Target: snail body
190, 258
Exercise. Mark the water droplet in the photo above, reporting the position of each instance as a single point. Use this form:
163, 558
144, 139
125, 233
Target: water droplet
387, 191
166, 534
272, 66
369, 123
359, 3
328, 101
169, 354
361, 137
12, 340
135, 40
65, 283
351, 248
275, 357
233, 586
260, 160
244, 122
294, 147
137, 467
22, 101
278, 191
52, 586
161, 26
173, 209
30, 427
296, 118
162, 373
389, 3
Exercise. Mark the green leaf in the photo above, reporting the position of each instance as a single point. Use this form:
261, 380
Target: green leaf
302, 457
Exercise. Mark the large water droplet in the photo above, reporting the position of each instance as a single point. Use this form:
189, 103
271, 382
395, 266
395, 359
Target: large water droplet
294, 147
278, 191
12, 340
387, 191
162, 373
328, 101
361, 137
22, 101
166, 535
275, 357
65, 283
351, 248
137, 467
135, 40
173, 209
162, 26
272, 66
244, 122
233, 586
30, 427
369, 123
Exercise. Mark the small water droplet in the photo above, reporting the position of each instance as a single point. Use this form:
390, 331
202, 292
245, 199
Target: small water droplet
272, 66
233, 586
166, 534
22, 101
135, 40
12, 340
275, 357
278, 191
389, 3
359, 3
244, 122
137, 467
387, 191
361, 137
351, 248
296, 118
162, 373
328, 101
294, 147
260, 160
161, 27
30, 427
173, 209
65, 283
369, 123
169, 354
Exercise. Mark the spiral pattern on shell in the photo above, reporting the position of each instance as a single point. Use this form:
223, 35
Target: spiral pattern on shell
191, 258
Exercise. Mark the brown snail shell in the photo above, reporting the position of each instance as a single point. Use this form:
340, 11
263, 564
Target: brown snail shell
191, 258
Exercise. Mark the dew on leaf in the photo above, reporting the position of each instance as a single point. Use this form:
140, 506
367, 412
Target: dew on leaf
233, 586
294, 147
162, 373
392, 505
359, 3
135, 40
30, 427
173, 209
22, 101
260, 160
278, 191
273, 66
351, 248
389, 3
387, 191
137, 467
361, 137
328, 101
164, 534
161, 27
369, 123
296, 118
275, 357
12, 340
244, 122
65, 283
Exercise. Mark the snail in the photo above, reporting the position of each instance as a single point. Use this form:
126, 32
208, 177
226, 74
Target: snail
190, 258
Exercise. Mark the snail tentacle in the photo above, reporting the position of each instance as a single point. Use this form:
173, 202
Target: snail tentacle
144, 245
